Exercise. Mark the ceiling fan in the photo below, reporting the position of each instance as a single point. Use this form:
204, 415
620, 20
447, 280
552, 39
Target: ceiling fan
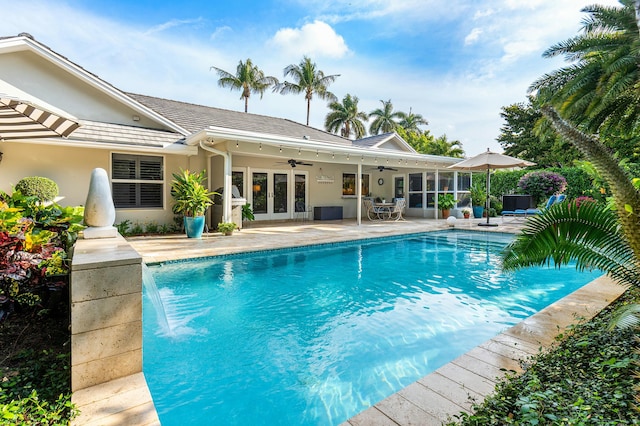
294, 163
383, 168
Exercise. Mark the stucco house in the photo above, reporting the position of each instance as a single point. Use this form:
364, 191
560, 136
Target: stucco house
279, 166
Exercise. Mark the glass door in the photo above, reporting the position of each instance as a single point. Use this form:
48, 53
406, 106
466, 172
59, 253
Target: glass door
270, 194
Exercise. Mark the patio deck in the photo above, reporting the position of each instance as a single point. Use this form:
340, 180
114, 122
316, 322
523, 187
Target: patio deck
439, 396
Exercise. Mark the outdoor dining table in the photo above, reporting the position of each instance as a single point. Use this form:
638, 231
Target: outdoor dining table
384, 210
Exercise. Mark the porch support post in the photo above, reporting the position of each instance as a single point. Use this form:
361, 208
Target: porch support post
359, 195
227, 194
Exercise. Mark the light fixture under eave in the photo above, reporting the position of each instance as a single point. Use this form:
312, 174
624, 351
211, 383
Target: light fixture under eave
280, 149
237, 145
1, 154
260, 148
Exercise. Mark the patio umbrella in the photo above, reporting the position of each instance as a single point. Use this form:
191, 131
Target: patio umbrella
488, 161
23, 116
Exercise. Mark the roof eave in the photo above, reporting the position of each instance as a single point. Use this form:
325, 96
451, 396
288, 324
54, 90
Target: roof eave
224, 134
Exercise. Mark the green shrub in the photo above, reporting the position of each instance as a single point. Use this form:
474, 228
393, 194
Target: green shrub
36, 186
541, 184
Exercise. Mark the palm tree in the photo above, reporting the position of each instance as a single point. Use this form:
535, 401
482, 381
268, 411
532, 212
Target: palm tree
588, 233
385, 118
308, 80
248, 79
411, 121
598, 90
443, 146
345, 118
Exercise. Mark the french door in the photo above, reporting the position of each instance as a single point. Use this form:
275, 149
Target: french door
275, 192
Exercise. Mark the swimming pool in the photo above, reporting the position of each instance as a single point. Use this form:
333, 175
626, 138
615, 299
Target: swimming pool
315, 335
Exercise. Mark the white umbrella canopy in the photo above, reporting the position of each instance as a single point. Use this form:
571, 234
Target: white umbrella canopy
487, 161
23, 116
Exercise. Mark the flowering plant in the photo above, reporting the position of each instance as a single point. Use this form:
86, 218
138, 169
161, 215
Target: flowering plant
541, 184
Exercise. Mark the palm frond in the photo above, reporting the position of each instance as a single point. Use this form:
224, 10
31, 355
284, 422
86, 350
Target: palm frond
588, 234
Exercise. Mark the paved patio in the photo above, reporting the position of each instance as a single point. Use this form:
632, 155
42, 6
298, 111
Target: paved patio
439, 396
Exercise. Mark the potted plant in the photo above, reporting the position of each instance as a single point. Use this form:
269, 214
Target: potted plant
227, 228
445, 203
247, 213
466, 213
192, 199
478, 199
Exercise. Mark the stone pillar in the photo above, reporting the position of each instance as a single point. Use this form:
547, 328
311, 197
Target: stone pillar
106, 311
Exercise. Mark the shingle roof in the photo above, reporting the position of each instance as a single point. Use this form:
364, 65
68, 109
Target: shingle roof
198, 117
124, 135
373, 140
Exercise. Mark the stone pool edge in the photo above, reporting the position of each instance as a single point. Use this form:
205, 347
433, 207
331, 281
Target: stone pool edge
453, 388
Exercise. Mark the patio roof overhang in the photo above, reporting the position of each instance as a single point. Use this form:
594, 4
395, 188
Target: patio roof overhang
268, 145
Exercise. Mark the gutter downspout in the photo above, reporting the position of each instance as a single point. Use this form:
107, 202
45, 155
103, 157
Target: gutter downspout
226, 194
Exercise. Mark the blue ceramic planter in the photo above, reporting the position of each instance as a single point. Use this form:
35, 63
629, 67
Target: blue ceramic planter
194, 226
478, 211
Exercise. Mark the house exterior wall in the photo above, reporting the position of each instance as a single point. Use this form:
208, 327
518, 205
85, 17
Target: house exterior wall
42, 79
71, 167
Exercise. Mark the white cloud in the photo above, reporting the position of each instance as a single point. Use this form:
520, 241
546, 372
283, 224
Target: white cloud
172, 24
473, 36
314, 39
220, 31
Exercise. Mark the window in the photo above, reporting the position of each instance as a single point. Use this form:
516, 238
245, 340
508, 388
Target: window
349, 184
415, 190
137, 181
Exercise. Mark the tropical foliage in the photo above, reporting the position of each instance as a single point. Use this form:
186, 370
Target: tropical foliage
35, 240
525, 135
385, 119
248, 79
307, 79
598, 89
411, 122
190, 195
443, 146
345, 118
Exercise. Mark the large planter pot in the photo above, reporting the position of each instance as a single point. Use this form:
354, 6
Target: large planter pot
478, 211
194, 226
445, 213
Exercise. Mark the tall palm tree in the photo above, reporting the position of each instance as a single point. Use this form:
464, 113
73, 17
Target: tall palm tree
248, 79
308, 79
598, 90
411, 121
345, 118
385, 118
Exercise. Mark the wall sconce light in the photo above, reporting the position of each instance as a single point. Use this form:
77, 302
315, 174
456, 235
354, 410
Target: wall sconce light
1, 154
260, 146
135, 118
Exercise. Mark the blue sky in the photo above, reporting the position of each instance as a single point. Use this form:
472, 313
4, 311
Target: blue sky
456, 62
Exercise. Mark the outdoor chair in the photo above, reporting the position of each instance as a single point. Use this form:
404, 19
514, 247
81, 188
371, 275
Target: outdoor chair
398, 209
373, 212
302, 211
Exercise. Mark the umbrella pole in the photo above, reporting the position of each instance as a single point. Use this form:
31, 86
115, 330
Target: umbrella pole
488, 200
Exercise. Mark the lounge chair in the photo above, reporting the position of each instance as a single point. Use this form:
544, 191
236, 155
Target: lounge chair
530, 212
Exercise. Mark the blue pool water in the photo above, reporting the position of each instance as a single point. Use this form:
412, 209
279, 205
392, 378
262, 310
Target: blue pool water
314, 335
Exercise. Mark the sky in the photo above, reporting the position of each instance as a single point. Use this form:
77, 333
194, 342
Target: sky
455, 62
